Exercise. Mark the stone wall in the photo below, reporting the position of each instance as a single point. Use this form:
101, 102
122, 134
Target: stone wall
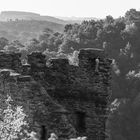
10, 60
66, 99
39, 107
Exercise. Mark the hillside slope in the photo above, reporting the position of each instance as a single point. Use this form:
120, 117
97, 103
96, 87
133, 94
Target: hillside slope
14, 15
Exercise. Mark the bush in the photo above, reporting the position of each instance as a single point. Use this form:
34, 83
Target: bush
12, 123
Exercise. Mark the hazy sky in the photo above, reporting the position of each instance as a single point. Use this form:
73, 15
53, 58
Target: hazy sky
79, 8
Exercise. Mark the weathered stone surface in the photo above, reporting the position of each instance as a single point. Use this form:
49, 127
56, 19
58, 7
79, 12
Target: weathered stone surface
26, 69
81, 88
37, 60
38, 105
10, 60
68, 100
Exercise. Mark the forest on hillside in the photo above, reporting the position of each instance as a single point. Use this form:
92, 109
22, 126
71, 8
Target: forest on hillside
120, 38
24, 30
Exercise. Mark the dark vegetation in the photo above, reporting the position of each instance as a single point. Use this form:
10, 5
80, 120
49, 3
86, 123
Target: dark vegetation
120, 38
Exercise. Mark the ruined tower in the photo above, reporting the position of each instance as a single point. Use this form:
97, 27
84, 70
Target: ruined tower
69, 100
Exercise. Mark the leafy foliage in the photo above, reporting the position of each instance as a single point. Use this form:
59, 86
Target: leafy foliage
12, 122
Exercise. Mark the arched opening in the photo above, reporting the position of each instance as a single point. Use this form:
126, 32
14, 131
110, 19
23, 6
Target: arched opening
81, 121
43, 133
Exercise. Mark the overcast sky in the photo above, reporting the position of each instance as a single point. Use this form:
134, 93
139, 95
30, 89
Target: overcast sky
78, 8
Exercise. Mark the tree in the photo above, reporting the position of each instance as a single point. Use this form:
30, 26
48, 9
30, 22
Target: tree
12, 121
132, 15
3, 42
14, 46
109, 19
13, 124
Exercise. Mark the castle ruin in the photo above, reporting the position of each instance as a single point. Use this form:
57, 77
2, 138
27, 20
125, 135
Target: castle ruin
62, 98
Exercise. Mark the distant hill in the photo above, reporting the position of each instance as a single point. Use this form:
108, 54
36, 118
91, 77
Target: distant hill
76, 19
24, 30
16, 15
22, 26
30, 25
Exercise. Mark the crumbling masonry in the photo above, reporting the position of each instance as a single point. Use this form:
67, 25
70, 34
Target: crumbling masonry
62, 98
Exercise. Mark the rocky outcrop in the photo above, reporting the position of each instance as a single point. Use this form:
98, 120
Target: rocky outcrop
66, 99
